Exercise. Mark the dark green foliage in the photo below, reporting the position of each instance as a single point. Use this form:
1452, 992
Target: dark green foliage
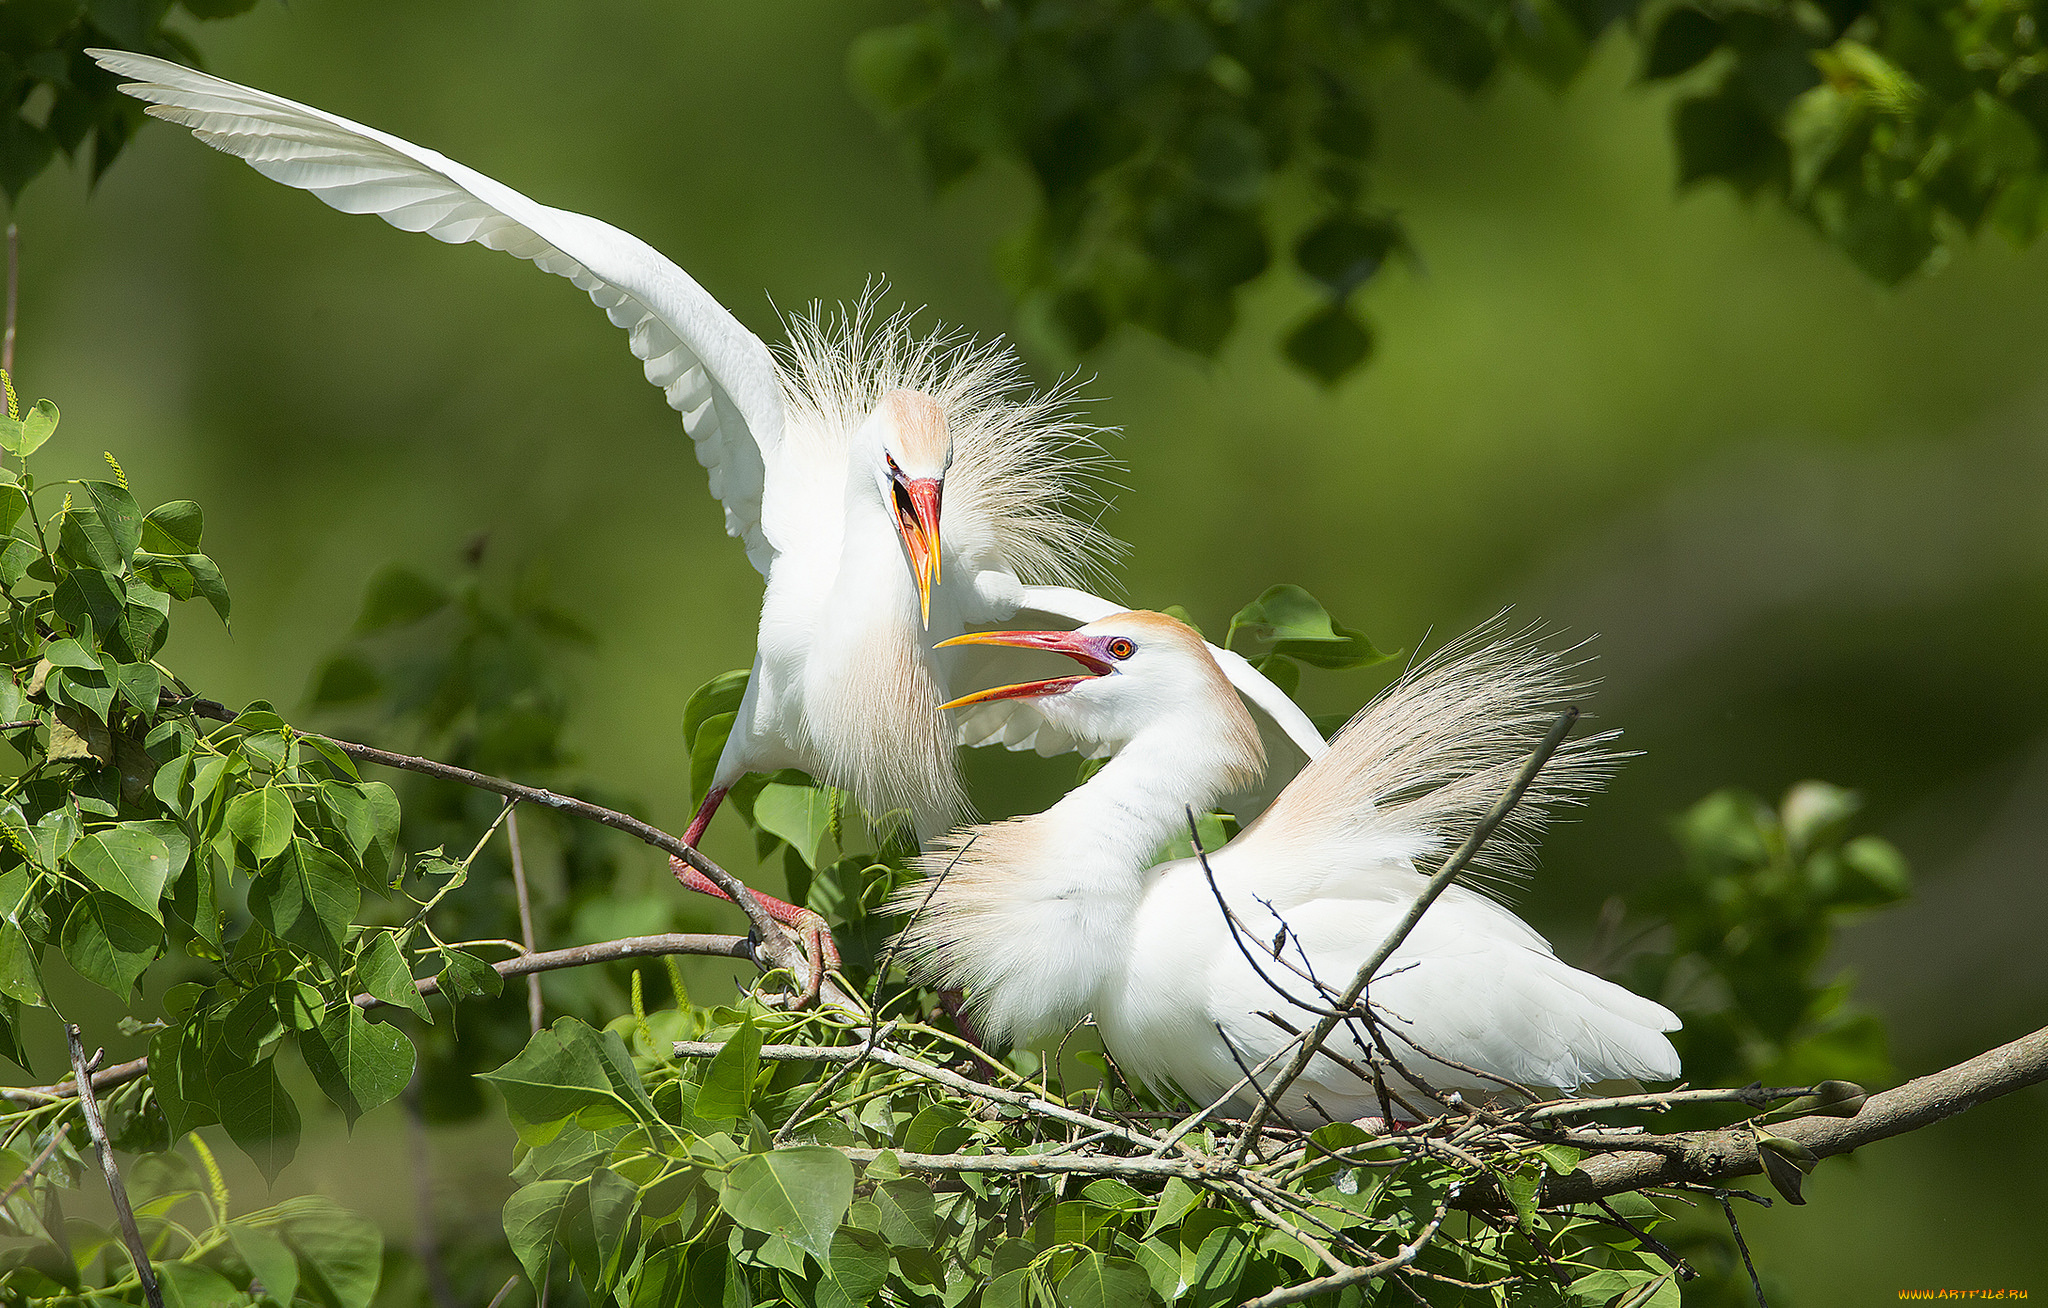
1752, 918
1171, 143
57, 100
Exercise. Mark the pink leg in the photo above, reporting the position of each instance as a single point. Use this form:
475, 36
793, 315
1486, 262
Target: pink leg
952, 1003
695, 834
812, 927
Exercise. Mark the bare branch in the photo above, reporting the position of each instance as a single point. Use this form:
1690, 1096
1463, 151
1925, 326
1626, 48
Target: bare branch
534, 1008
776, 948
1087, 1164
130, 1236
1708, 1157
930, 1072
606, 951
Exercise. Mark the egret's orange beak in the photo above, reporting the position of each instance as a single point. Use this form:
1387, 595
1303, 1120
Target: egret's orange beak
917, 518
1085, 650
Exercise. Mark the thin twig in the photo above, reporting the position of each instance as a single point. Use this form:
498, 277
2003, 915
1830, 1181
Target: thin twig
1357, 1275
498, 1299
42, 1160
606, 951
1743, 1246
1063, 1163
534, 1008
832, 1082
1755, 1096
930, 1072
130, 1236
1438, 883
775, 947
1682, 1269
13, 296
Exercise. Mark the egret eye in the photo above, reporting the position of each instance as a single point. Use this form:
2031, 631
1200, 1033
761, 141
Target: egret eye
1121, 648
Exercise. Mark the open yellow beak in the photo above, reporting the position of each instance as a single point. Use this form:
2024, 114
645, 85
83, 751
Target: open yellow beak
920, 529
1085, 650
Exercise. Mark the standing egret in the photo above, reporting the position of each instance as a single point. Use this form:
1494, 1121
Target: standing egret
832, 463
1045, 919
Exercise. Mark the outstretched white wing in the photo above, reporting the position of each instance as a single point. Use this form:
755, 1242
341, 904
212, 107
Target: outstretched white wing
714, 371
1290, 738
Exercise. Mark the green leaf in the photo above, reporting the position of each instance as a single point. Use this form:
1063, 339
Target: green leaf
1329, 344
263, 821
1218, 1266
1683, 41
360, 1064
256, 1019
1298, 626
909, 1216
119, 511
206, 579
307, 897
68, 653
1099, 1282
1176, 1199
729, 1080
91, 598
705, 747
110, 941
532, 1217
270, 1261
802, 815
86, 541
722, 694
859, 1268
173, 528
20, 965
569, 1071
188, 1285
800, 1194
140, 684
465, 976
35, 427
124, 861
177, 1072
341, 1254
260, 1117
1344, 251
397, 597
381, 971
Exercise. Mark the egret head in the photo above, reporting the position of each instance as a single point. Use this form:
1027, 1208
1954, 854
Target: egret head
1141, 668
912, 448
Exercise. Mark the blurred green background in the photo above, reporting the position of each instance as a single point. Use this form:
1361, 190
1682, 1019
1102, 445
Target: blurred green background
1803, 514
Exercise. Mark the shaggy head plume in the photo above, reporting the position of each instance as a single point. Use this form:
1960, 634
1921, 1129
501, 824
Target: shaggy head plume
1024, 464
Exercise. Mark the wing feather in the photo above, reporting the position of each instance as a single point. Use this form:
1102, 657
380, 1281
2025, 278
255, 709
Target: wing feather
718, 375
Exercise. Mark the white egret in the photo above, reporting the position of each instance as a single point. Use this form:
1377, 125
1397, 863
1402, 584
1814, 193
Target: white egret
832, 463
1045, 919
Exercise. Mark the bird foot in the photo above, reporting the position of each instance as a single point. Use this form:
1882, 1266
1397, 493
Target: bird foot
805, 928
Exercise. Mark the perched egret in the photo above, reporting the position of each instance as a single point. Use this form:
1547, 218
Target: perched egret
832, 463
1045, 919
